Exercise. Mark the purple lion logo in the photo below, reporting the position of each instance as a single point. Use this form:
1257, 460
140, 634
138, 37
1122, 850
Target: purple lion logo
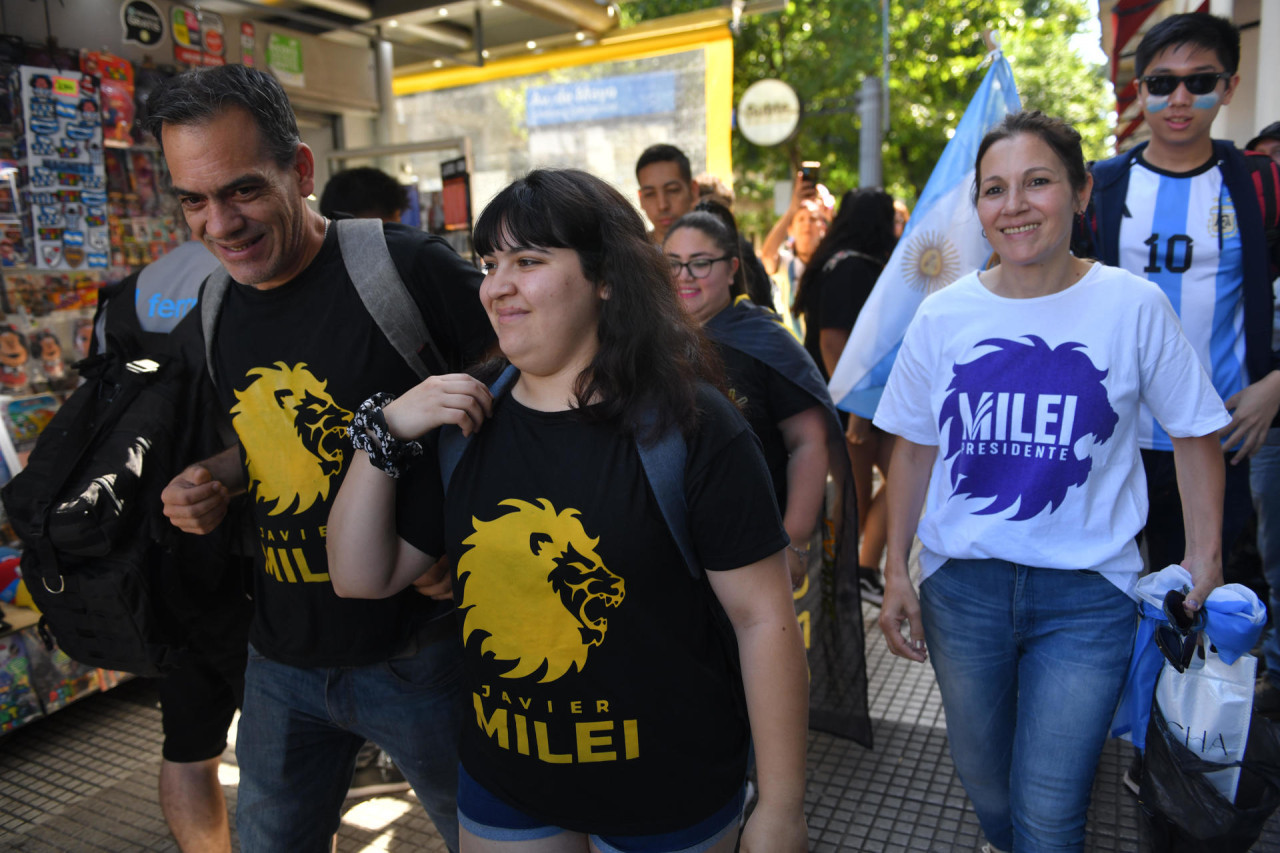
1020, 421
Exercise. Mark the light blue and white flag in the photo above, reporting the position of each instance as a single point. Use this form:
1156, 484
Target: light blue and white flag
942, 242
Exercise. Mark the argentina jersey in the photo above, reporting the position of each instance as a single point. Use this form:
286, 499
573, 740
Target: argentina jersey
1180, 232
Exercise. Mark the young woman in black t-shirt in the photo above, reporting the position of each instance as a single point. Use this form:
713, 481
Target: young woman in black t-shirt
702, 251
605, 707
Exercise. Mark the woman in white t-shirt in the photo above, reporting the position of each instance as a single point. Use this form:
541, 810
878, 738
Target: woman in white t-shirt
1015, 395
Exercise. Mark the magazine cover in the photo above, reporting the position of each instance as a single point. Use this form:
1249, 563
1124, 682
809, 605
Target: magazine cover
18, 701
58, 679
24, 418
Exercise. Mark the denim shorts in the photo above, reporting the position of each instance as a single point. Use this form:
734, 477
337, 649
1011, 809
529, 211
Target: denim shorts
485, 816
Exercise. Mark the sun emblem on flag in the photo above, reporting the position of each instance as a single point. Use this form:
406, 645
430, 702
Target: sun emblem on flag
930, 262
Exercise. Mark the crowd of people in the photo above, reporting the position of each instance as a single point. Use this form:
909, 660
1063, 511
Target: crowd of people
542, 558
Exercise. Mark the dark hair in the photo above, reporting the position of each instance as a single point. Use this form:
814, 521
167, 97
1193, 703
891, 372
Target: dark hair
10, 329
39, 336
663, 153
1054, 132
712, 185
651, 354
362, 192
200, 95
1271, 131
714, 220
1196, 28
863, 224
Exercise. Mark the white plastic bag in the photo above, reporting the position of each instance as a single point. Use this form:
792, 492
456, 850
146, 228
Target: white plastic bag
1210, 706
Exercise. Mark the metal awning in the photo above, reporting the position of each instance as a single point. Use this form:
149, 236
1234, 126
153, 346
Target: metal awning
459, 32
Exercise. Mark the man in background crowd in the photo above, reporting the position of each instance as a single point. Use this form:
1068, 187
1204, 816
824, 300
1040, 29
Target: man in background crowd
363, 192
667, 190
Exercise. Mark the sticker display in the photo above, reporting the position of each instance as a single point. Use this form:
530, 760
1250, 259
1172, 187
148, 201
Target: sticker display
66, 173
197, 37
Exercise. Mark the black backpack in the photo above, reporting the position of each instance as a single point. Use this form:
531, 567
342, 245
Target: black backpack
87, 509
117, 585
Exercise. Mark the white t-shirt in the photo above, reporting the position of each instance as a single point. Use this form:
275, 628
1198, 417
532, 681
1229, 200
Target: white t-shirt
1034, 407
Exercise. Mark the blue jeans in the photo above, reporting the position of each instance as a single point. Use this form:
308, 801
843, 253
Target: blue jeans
1030, 663
301, 728
1264, 481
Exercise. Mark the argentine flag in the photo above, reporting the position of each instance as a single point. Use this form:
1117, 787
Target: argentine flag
943, 241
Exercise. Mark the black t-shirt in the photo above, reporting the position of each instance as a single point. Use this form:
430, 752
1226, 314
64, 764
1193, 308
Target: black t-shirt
765, 398
841, 291
293, 364
603, 698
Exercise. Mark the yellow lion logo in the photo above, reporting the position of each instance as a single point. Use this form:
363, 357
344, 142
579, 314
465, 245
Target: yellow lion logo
294, 436
534, 588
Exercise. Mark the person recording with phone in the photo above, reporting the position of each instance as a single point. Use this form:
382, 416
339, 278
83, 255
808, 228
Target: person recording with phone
792, 240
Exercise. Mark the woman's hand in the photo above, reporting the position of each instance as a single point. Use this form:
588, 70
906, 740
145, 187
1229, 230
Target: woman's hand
859, 429
1201, 481
454, 398
901, 605
797, 567
1206, 576
775, 831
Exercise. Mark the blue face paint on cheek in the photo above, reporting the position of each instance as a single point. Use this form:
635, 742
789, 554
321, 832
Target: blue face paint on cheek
1156, 103
1206, 102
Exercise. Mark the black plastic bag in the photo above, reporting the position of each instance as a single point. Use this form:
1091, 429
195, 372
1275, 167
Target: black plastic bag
1185, 813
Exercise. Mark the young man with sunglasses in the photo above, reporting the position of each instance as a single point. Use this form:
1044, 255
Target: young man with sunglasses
1187, 212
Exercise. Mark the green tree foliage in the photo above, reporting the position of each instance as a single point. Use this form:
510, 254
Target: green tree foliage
825, 49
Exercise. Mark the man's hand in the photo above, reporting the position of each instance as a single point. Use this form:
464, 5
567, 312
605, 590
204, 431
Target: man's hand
437, 581
802, 191
1252, 410
194, 502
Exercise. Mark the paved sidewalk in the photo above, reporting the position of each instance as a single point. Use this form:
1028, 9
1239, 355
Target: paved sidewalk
85, 780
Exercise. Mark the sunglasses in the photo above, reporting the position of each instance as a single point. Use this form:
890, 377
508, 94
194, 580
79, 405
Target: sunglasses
1197, 84
1178, 637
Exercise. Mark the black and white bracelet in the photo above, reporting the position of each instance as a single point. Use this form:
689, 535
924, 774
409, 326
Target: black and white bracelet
369, 432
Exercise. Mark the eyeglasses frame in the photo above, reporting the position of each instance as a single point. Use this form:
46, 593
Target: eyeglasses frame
675, 266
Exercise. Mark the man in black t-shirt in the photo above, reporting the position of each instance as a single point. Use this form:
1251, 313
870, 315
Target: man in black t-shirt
295, 354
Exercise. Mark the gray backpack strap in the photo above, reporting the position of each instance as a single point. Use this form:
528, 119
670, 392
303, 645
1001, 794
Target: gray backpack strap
211, 296
663, 462
364, 252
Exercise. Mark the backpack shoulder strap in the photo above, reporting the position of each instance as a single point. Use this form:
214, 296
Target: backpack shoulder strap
452, 443
363, 245
211, 296
663, 461
1266, 178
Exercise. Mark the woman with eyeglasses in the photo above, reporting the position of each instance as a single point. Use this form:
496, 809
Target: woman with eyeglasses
778, 389
1015, 396
606, 711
